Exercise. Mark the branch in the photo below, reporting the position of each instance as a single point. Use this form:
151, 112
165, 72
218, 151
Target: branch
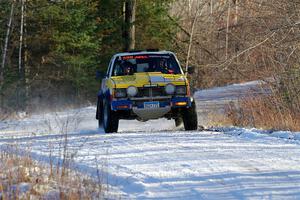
246, 50
196, 41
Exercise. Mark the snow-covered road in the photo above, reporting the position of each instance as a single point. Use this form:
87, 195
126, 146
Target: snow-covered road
154, 160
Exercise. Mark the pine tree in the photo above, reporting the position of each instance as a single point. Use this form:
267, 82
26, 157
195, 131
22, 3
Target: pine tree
55, 47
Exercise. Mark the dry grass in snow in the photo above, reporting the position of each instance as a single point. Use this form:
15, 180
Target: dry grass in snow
23, 178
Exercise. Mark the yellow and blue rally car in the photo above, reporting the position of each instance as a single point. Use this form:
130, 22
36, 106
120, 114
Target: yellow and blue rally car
145, 85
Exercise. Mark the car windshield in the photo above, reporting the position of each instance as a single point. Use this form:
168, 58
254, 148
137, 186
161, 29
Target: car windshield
128, 65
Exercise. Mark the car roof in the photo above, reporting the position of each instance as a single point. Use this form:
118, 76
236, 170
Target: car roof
143, 52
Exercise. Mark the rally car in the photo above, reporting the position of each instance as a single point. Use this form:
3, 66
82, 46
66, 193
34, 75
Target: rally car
145, 85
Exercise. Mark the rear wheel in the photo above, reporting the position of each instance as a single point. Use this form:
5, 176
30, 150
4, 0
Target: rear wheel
178, 121
99, 113
110, 119
190, 119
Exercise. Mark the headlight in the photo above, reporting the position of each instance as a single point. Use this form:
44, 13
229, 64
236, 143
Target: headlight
181, 90
132, 91
120, 93
170, 88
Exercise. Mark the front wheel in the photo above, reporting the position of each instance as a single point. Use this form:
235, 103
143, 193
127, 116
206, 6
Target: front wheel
110, 119
190, 119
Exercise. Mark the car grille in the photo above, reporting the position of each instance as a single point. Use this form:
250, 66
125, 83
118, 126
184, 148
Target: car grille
151, 92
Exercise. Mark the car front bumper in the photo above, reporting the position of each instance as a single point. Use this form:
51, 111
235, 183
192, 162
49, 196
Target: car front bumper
139, 103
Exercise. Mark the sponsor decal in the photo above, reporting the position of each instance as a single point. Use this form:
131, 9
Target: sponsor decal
134, 57
129, 57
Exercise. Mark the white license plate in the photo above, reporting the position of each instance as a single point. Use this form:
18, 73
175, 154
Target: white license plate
151, 105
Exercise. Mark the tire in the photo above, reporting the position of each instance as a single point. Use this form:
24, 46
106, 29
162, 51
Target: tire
178, 121
190, 119
110, 119
99, 113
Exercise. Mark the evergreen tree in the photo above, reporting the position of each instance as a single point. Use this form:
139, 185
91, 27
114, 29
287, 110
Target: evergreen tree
65, 42
154, 28
63, 46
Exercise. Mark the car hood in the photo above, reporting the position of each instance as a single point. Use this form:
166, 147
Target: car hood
149, 79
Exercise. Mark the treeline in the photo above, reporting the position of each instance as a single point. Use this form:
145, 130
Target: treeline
234, 41
64, 43
238, 40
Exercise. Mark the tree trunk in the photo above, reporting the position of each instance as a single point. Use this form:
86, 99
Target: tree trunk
21, 40
198, 12
236, 3
129, 34
6, 41
22, 85
227, 30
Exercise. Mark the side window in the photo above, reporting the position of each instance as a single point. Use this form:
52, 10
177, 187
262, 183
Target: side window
117, 69
109, 67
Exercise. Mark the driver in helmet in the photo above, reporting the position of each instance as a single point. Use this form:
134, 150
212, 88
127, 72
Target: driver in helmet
128, 68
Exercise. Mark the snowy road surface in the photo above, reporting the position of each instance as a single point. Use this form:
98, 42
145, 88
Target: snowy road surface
154, 160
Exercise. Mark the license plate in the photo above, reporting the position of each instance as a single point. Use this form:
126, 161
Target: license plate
151, 105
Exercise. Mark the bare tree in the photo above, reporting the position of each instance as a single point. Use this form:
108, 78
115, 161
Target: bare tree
236, 40
6, 41
227, 28
21, 65
21, 39
198, 13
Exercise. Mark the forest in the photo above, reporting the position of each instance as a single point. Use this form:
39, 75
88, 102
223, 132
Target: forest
51, 49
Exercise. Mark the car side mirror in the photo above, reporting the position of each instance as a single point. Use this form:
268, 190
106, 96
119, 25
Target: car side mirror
191, 69
99, 75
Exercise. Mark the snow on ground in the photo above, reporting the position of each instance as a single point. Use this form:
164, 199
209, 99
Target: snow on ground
154, 160
253, 132
233, 91
212, 102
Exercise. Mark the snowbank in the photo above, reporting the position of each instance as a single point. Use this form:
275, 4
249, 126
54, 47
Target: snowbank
253, 132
